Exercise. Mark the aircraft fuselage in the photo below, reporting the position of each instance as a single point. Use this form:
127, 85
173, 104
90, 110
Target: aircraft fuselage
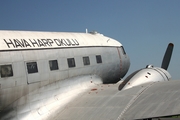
31, 60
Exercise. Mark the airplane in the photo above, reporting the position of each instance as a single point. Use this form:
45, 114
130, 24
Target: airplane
41, 72
65, 76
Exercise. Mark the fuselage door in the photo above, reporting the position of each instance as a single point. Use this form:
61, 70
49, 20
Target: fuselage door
32, 72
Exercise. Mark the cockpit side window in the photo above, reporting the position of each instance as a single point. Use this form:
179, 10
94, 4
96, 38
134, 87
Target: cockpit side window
124, 52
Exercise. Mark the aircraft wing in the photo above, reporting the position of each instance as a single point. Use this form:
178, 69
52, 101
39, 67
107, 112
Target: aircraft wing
106, 102
156, 100
92, 100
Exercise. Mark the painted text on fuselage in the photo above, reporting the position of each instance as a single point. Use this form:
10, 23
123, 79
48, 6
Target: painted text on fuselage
25, 43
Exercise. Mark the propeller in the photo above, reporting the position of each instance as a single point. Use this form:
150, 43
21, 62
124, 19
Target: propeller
167, 56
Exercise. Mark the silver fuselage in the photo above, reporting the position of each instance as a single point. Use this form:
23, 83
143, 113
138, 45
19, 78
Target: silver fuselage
19, 48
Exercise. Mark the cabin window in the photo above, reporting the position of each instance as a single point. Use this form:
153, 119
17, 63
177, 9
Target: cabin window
71, 62
32, 67
6, 71
98, 59
86, 60
124, 52
53, 65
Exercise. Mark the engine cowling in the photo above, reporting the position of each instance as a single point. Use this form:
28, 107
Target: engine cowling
147, 75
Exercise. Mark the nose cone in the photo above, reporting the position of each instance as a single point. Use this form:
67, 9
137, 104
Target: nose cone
124, 61
128, 62
126, 65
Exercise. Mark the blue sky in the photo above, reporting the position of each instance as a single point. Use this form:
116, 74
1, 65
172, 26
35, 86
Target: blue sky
144, 27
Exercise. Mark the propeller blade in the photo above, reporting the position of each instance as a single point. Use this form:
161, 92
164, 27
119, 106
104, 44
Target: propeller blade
167, 56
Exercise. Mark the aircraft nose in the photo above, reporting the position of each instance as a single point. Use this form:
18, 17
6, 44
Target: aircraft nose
127, 63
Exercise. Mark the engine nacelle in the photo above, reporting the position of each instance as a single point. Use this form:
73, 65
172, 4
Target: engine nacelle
146, 75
